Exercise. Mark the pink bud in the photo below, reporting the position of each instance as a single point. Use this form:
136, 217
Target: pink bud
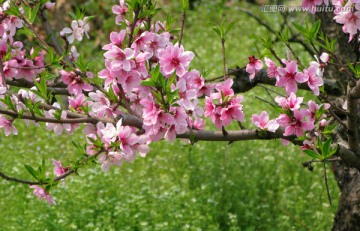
49, 5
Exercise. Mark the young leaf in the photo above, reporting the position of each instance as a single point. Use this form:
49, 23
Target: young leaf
326, 147
31, 171
312, 153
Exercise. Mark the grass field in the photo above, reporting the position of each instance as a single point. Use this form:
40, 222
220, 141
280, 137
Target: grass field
209, 186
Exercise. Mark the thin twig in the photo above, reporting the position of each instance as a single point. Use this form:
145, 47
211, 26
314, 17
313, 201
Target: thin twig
264, 100
132, 28
326, 183
183, 15
9, 178
2, 74
224, 57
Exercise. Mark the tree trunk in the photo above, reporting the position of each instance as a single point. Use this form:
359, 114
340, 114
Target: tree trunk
348, 214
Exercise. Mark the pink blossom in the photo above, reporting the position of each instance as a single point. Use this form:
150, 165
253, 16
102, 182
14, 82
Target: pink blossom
232, 111
310, 3
75, 32
127, 139
42, 194
7, 125
296, 124
350, 21
59, 169
110, 132
120, 59
116, 39
74, 55
289, 77
188, 97
262, 121
57, 127
174, 58
77, 102
292, 102
120, 11
49, 5
314, 81
272, 68
225, 88
254, 66
75, 82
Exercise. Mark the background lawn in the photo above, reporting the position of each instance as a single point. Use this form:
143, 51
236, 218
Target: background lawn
209, 186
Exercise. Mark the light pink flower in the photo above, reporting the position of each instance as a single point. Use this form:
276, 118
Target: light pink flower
289, 77
75, 32
77, 102
272, 68
174, 58
59, 169
314, 81
120, 11
232, 111
49, 5
254, 66
57, 127
295, 125
7, 125
120, 59
262, 121
74, 82
350, 21
42, 194
292, 102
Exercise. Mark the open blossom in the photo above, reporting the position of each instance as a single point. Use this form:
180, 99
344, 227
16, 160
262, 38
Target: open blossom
77, 102
262, 121
292, 102
296, 124
59, 169
57, 127
314, 81
7, 125
42, 194
174, 58
75, 82
272, 68
350, 21
320, 64
120, 59
75, 32
289, 77
120, 11
254, 66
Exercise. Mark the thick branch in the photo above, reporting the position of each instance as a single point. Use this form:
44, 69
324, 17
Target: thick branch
242, 82
352, 123
233, 135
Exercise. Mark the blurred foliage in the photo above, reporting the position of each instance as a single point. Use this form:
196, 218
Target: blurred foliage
209, 186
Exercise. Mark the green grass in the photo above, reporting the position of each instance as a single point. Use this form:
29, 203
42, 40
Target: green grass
209, 186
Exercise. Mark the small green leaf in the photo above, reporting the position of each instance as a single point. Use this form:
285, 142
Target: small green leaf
312, 153
34, 13
231, 24
31, 171
148, 83
326, 147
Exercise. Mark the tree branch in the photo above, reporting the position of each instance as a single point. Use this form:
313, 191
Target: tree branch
242, 82
9, 178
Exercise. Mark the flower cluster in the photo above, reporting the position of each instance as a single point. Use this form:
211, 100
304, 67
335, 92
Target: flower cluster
223, 106
77, 30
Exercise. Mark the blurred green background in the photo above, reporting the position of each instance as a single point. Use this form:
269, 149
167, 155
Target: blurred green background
209, 186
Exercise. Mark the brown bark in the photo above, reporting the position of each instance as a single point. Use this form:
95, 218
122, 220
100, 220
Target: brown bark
348, 214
